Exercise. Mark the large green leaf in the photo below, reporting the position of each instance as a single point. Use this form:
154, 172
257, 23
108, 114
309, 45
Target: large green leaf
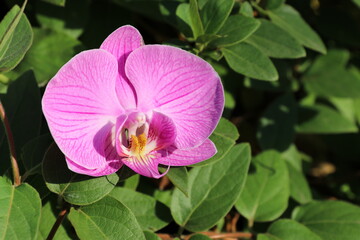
214, 14
15, 38
19, 212
277, 125
331, 220
50, 51
321, 119
70, 19
213, 190
74, 188
236, 29
33, 153
150, 214
22, 104
266, 192
275, 42
291, 21
328, 76
105, 219
286, 229
245, 59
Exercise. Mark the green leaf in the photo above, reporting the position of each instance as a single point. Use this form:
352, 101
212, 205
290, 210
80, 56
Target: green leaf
245, 59
74, 188
195, 20
331, 220
151, 236
131, 182
214, 14
286, 229
56, 2
70, 19
275, 42
179, 177
15, 38
266, 192
224, 137
33, 153
199, 236
291, 21
20, 211
274, 4
277, 125
357, 2
226, 129
213, 190
346, 106
48, 219
246, 9
46, 56
236, 29
328, 76
321, 119
150, 214
22, 104
183, 19
299, 187
105, 219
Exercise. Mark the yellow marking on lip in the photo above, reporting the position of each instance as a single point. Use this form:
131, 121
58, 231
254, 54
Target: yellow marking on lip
137, 144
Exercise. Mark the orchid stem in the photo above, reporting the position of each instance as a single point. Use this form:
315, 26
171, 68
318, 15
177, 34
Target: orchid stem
58, 222
10, 139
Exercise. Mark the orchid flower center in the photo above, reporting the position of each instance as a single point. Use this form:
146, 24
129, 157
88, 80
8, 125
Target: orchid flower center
134, 139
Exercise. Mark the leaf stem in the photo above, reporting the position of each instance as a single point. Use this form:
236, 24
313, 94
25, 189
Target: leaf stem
58, 222
10, 138
259, 9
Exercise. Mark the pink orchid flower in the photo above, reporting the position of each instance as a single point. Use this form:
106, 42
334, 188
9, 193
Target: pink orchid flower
133, 104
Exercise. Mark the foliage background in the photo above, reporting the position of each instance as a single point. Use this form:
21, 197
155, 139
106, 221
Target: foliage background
292, 85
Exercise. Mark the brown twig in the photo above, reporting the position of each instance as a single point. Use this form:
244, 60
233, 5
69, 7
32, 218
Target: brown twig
212, 235
10, 138
57, 224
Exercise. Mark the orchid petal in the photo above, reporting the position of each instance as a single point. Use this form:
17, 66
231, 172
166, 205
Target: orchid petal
121, 43
107, 169
162, 130
81, 106
177, 157
147, 166
180, 85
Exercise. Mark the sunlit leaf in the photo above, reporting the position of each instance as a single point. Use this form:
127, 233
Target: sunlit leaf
105, 219
20, 211
213, 190
331, 220
266, 192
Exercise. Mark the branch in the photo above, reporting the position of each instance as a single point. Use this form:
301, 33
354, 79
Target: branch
212, 235
58, 222
10, 138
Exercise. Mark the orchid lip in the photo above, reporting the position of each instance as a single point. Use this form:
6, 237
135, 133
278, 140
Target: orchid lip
134, 138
